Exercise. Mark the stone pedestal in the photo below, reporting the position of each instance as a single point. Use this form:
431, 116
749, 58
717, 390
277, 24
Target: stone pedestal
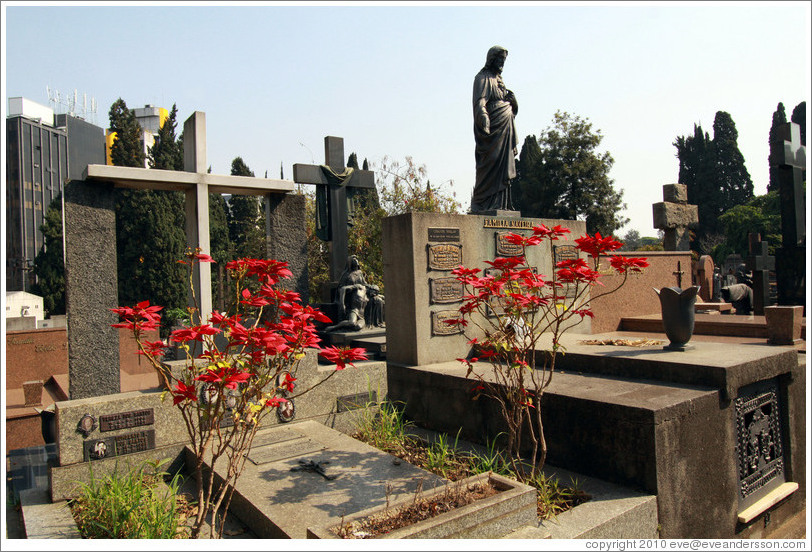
421, 250
784, 324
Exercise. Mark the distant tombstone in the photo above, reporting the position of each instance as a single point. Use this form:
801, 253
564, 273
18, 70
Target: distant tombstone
675, 217
760, 263
789, 172
729, 269
704, 278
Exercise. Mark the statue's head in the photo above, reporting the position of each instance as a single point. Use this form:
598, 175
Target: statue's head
496, 58
352, 263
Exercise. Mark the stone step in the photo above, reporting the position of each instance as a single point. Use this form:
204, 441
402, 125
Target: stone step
706, 324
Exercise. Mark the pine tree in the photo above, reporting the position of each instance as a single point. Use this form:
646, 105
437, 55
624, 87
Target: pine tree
246, 218
127, 149
49, 265
565, 177
799, 116
779, 118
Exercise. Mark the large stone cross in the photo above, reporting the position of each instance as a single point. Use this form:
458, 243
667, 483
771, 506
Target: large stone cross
675, 217
790, 158
197, 185
336, 192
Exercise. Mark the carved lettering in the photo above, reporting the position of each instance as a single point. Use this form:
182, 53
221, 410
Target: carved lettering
507, 223
126, 420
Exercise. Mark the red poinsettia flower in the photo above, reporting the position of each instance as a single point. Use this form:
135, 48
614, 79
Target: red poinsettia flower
553, 233
275, 402
524, 241
183, 392
195, 333
141, 317
631, 264
341, 356
153, 348
287, 383
597, 245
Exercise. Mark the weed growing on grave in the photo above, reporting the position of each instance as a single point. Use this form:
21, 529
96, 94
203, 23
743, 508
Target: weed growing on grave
137, 504
388, 431
228, 386
510, 312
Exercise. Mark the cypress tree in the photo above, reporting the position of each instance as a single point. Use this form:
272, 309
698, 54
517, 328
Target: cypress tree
49, 265
779, 117
733, 179
246, 218
167, 151
127, 149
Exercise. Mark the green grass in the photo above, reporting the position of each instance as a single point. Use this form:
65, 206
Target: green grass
387, 431
137, 504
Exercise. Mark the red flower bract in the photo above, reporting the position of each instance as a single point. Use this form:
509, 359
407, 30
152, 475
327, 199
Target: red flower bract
182, 392
632, 264
341, 356
597, 245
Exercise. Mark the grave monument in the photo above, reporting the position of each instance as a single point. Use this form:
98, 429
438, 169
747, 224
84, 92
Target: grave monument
90, 248
675, 217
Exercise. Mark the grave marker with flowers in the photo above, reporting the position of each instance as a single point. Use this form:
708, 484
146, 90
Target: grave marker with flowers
224, 393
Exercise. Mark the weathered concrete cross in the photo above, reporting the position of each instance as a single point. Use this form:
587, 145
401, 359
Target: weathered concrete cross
337, 212
197, 184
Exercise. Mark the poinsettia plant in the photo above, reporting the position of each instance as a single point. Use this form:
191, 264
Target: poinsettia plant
518, 316
239, 367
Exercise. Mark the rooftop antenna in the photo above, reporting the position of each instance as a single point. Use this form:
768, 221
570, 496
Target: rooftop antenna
70, 105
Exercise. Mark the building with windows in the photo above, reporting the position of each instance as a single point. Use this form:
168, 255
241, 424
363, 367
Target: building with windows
43, 152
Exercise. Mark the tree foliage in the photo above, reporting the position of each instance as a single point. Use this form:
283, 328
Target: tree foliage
167, 152
561, 175
779, 118
714, 173
760, 215
127, 149
49, 265
246, 219
150, 224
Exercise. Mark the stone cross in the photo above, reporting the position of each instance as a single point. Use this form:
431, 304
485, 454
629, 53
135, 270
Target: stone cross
197, 185
674, 216
91, 280
337, 212
760, 263
789, 170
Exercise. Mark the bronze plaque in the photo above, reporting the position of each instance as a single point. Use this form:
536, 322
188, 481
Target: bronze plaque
126, 420
506, 249
439, 326
564, 253
445, 290
444, 256
118, 445
508, 223
444, 234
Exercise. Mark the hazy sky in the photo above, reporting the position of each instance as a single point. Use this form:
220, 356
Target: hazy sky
396, 80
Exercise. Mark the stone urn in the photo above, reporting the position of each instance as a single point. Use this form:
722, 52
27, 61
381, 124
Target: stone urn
678, 307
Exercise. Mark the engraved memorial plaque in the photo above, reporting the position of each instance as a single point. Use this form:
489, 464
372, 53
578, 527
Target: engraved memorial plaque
445, 290
444, 234
759, 443
439, 326
506, 249
126, 420
566, 253
444, 256
118, 445
282, 451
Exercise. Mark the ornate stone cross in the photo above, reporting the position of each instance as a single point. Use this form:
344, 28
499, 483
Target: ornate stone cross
674, 216
333, 181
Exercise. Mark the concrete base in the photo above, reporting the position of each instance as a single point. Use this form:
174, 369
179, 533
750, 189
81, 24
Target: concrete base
278, 503
660, 421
